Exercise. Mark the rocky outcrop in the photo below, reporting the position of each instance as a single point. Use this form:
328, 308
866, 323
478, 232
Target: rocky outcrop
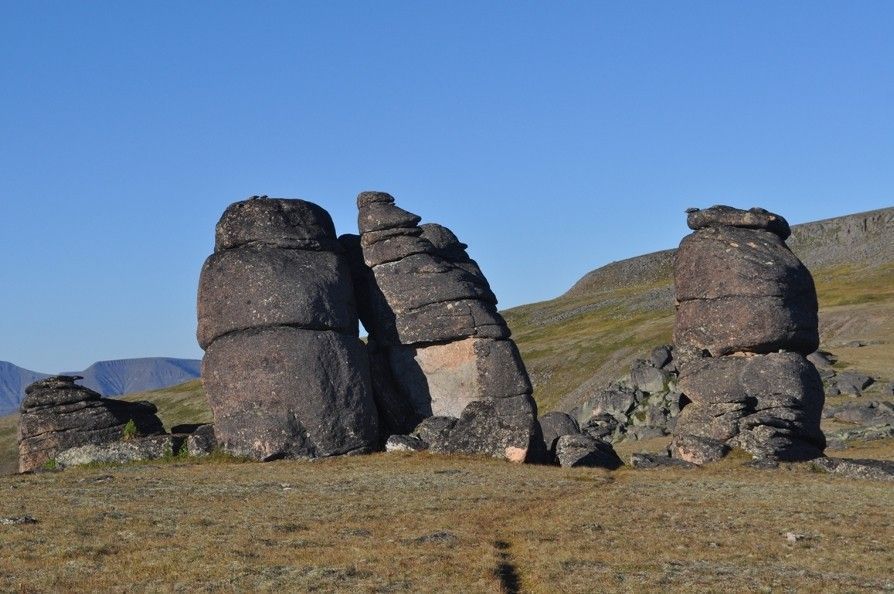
58, 414
746, 319
438, 346
284, 371
642, 405
121, 452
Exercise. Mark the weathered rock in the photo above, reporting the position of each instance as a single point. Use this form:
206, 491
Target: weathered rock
882, 470
283, 392
284, 372
202, 441
698, 450
769, 405
647, 378
864, 413
852, 383
121, 452
276, 222
661, 355
651, 460
821, 360
58, 414
742, 290
256, 286
583, 451
501, 428
435, 430
601, 426
442, 379
645, 432
741, 296
554, 425
432, 317
727, 216
405, 443
396, 413
752, 324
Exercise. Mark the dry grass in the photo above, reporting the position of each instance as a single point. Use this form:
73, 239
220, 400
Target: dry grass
442, 524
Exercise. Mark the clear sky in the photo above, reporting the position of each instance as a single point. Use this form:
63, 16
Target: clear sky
552, 137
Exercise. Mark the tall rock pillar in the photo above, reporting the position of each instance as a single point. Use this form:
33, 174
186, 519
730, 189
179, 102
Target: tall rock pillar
284, 371
746, 318
439, 347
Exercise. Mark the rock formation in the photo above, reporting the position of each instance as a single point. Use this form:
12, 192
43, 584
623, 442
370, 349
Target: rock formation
284, 371
58, 414
438, 346
746, 318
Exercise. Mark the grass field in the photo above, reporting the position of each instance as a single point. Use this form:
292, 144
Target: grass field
393, 522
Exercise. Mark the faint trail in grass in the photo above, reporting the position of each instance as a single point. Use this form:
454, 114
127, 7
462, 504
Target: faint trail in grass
506, 570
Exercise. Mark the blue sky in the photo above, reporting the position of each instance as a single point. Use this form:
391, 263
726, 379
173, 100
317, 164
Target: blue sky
553, 137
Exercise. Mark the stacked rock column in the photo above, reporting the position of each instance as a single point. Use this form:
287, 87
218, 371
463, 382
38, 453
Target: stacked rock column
284, 371
434, 327
746, 318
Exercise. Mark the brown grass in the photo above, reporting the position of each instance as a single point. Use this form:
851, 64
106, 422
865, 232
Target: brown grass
442, 524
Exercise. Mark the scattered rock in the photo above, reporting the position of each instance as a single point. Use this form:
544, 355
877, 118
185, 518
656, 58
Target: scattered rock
201, 441
121, 452
434, 430
583, 451
864, 413
554, 425
650, 460
649, 379
856, 468
852, 383
405, 443
17, 521
440, 537
795, 537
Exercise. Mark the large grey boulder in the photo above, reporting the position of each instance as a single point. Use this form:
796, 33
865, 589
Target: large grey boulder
283, 392
573, 451
554, 425
739, 287
768, 405
256, 286
58, 414
284, 372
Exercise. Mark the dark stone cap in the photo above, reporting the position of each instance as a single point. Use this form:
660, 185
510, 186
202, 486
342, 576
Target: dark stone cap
371, 197
57, 390
727, 216
275, 221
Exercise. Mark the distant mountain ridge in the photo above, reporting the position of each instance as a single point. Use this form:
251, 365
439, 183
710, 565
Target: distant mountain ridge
109, 378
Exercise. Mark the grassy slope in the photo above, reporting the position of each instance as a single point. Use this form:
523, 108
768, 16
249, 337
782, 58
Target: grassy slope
392, 522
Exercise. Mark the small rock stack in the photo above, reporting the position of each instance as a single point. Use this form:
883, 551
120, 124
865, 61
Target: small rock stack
439, 348
284, 371
746, 318
58, 414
